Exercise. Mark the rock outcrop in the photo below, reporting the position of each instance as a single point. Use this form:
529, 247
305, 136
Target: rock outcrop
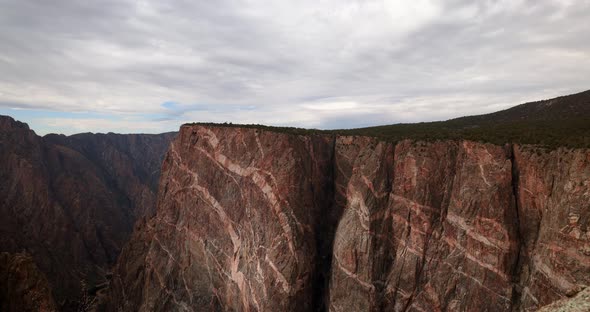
253, 220
554, 206
442, 236
23, 287
236, 227
71, 202
578, 303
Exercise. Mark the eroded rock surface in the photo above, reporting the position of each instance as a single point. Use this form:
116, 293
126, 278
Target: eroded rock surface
440, 234
71, 202
23, 287
253, 220
579, 303
362, 243
554, 203
235, 230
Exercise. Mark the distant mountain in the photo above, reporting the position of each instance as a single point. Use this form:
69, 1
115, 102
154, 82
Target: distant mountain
562, 121
71, 201
558, 109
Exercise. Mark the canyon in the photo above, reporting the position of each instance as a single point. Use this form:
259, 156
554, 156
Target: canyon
222, 217
257, 220
69, 203
24, 287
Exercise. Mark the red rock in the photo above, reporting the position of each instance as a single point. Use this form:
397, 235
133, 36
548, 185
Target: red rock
457, 244
71, 202
442, 236
361, 252
236, 224
554, 199
579, 303
252, 220
23, 287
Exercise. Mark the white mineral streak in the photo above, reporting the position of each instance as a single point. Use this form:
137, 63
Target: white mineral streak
460, 222
235, 274
352, 275
258, 179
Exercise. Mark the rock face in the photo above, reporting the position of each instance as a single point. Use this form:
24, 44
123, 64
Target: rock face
252, 220
71, 202
554, 199
579, 303
440, 234
23, 287
236, 227
361, 248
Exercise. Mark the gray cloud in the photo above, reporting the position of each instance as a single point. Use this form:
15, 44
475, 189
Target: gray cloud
328, 64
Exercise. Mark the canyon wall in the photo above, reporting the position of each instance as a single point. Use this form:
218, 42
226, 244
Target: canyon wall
71, 202
236, 226
253, 220
436, 231
23, 287
554, 207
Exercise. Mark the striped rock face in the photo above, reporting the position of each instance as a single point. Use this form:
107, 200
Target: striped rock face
236, 227
435, 231
252, 220
554, 205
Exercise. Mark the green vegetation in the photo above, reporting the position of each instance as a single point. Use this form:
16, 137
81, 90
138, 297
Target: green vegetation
289, 130
563, 121
574, 133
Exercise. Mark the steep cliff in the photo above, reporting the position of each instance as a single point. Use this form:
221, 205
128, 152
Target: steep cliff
253, 220
554, 206
71, 202
23, 287
443, 236
236, 226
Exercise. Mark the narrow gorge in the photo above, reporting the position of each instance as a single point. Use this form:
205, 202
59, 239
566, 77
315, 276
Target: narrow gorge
256, 220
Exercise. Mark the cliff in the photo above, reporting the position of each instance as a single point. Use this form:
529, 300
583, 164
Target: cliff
578, 303
254, 220
23, 287
71, 202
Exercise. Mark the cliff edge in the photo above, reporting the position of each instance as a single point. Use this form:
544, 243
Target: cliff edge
254, 220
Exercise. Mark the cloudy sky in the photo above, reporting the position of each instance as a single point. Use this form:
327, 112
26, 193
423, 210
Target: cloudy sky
149, 66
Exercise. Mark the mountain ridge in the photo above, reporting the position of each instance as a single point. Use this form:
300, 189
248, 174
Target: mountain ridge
560, 121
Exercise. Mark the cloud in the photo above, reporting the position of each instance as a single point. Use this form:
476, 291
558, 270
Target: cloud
326, 64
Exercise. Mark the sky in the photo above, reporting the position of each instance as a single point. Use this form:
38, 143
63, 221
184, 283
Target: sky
150, 66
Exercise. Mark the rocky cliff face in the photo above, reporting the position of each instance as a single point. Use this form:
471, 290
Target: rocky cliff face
71, 202
236, 226
554, 206
440, 234
578, 303
252, 220
23, 287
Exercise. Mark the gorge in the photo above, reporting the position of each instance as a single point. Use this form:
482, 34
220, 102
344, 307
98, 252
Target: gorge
254, 218
69, 204
251, 220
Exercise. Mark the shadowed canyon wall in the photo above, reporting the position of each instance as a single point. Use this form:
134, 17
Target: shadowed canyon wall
71, 202
23, 287
253, 220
